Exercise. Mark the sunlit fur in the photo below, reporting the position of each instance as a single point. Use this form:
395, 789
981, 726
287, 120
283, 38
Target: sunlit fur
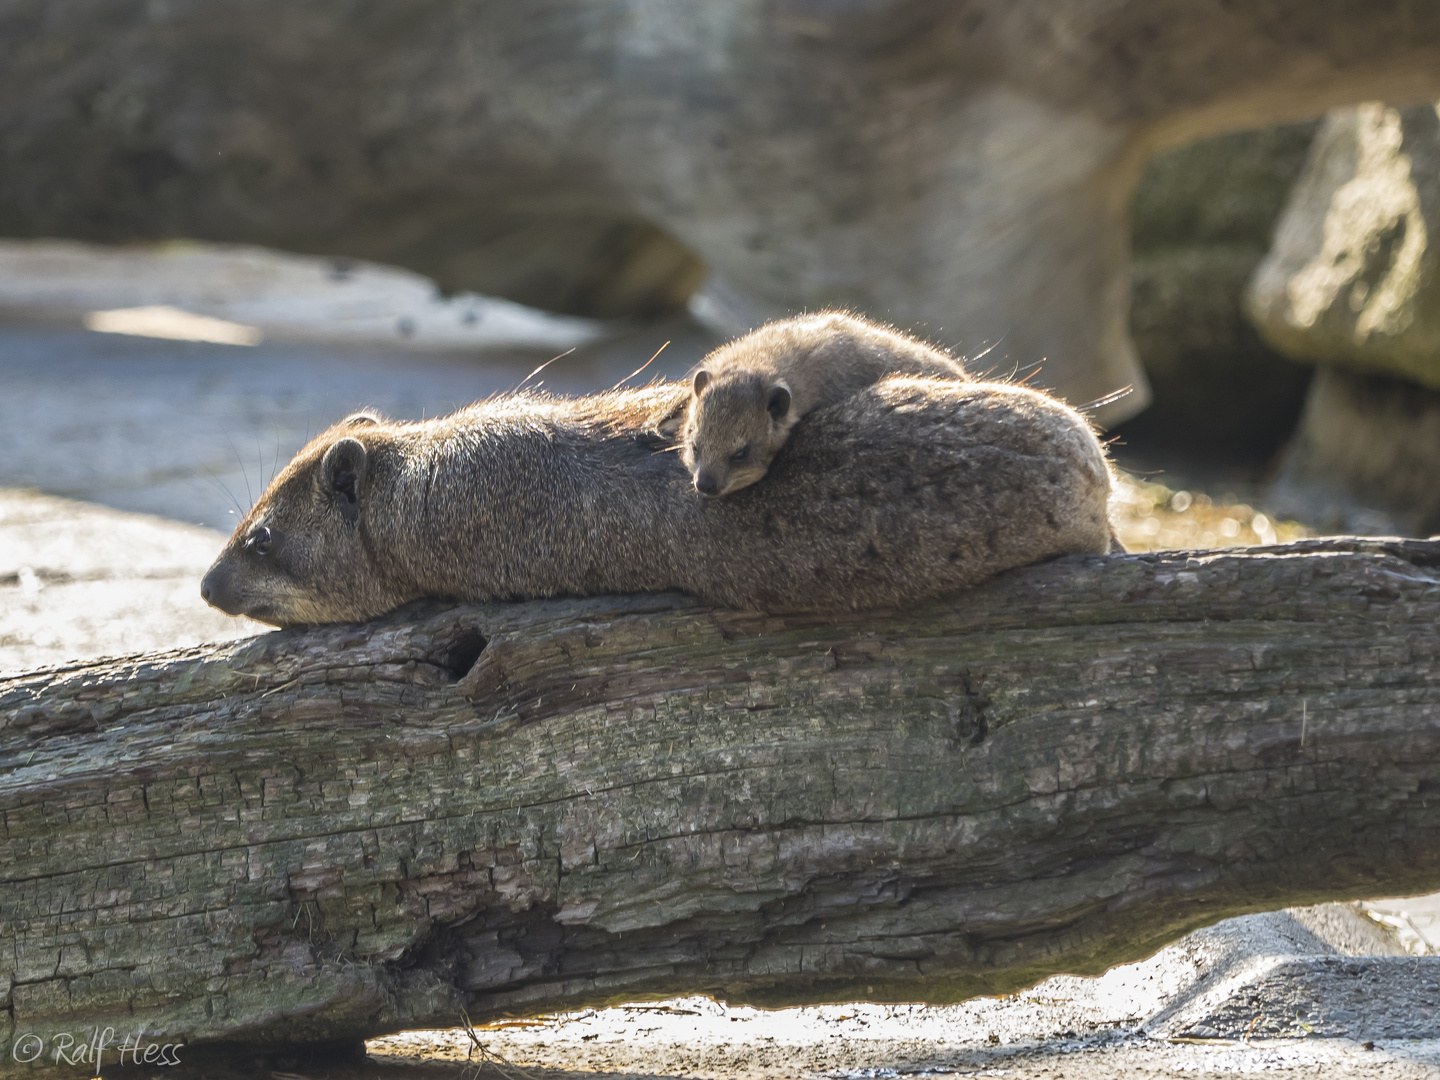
819, 359
910, 488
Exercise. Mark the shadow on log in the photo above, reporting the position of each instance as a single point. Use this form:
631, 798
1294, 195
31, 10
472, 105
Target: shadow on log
333, 833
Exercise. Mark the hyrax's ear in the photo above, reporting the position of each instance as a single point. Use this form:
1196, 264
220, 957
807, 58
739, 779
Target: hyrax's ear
777, 402
702, 380
363, 418
342, 470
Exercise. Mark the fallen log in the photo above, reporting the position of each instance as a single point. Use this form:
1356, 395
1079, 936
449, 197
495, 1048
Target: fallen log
331, 833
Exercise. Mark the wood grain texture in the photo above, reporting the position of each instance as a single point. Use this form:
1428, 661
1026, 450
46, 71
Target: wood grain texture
332, 833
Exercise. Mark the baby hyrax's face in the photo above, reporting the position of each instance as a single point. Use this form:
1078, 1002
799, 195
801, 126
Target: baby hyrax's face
736, 424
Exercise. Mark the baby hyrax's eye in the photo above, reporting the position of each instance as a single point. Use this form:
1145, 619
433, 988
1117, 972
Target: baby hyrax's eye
740, 455
259, 541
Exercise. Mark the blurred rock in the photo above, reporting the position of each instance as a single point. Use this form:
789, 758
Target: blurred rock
269, 294
1202, 220
963, 170
1365, 458
1351, 283
1351, 278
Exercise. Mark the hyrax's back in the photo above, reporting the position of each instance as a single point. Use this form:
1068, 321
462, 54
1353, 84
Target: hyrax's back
827, 357
911, 488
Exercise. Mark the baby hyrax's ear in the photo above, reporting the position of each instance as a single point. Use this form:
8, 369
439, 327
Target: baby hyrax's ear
777, 402
702, 380
363, 418
342, 470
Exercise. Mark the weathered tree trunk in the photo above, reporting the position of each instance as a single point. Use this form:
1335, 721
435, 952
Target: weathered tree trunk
337, 832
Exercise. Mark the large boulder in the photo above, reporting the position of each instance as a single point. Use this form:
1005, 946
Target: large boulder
1351, 277
1351, 283
963, 169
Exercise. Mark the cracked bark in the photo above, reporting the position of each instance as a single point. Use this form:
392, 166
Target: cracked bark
337, 832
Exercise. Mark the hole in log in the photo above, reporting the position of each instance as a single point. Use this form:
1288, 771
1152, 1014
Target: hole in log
972, 722
463, 654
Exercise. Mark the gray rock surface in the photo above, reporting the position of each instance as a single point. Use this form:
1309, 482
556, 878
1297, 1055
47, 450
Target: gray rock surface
1299, 972
1365, 457
1374, 997
79, 581
1351, 277
962, 169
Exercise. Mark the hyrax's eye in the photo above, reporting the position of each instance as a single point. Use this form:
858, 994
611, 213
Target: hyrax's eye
259, 541
740, 455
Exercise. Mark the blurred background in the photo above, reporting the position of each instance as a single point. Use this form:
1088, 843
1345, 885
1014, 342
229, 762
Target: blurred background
225, 224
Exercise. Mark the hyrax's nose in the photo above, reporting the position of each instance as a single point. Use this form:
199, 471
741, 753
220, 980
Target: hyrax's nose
705, 483
214, 591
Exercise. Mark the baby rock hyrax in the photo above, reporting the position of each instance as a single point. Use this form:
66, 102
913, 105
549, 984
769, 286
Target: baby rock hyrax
749, 394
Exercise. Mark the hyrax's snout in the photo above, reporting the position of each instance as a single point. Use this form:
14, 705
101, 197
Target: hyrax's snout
216, 590
706, 482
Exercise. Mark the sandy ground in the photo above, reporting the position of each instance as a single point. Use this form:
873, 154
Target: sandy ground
79, 581
1274, 994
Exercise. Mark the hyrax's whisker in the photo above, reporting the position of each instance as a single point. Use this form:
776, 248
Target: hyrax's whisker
228, 493
260, 459
541, 368
986, 351
250, 495
1108, 399
639, 369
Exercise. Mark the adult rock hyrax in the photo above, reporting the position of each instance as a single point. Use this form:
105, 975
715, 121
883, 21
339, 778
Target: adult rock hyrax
749, 394
907, 489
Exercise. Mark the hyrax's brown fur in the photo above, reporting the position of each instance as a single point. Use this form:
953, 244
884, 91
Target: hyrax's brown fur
749, 394
908, 489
